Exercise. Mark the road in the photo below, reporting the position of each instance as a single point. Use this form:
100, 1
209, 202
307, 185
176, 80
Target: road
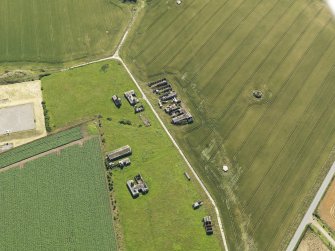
308, 217
116, 56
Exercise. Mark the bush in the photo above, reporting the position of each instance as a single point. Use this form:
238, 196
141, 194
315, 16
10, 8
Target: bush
125, 122
46, 117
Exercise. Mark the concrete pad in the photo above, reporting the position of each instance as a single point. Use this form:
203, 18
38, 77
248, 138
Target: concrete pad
17, 118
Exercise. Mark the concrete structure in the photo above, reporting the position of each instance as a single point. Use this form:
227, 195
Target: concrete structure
137, 186
119, 153
117, 101
157, 83
208, 225
124, 162
139, 108
17, 118
168, 96
185, 118
171, 108
225, 168
131, 97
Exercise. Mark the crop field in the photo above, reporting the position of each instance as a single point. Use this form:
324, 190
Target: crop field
163, 219
59, 31
216, 53
39, 146
57, 202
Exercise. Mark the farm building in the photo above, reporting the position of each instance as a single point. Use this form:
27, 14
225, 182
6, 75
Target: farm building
119, 153
157, 83
168, 96
171, 108
124, 162
137, 186
117, 101
131, 97
185, 118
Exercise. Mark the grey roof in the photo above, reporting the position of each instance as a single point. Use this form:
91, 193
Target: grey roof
185, 117
137, 186
131, 97
119, 153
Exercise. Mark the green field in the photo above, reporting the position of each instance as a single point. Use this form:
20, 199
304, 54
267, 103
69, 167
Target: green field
57, 202
216, 52
163, 219
39, 146
58, 31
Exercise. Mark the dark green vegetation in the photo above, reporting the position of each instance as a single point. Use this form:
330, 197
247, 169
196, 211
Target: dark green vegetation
217, 52
57, 202
163, 219
58, 31
39, 146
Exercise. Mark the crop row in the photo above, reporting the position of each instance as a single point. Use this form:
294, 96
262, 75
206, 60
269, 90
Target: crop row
39, 146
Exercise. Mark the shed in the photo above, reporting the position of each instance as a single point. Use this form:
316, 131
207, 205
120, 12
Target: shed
119, 153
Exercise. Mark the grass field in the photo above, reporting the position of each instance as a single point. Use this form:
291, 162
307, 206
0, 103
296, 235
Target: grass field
39, 146
58, 31
163, 219
216, 53
57, 202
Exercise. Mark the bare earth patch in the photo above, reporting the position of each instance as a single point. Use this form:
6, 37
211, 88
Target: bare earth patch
311, 242
20, 94
326, 208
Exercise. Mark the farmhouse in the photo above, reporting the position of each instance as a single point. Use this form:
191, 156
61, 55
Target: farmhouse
131, 97
117, 101
137, 186
119, 153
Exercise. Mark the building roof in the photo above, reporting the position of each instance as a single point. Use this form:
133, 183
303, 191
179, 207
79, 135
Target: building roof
119, 153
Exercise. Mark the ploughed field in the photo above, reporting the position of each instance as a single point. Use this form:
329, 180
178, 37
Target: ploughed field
58, 201
217, 52
59, 31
